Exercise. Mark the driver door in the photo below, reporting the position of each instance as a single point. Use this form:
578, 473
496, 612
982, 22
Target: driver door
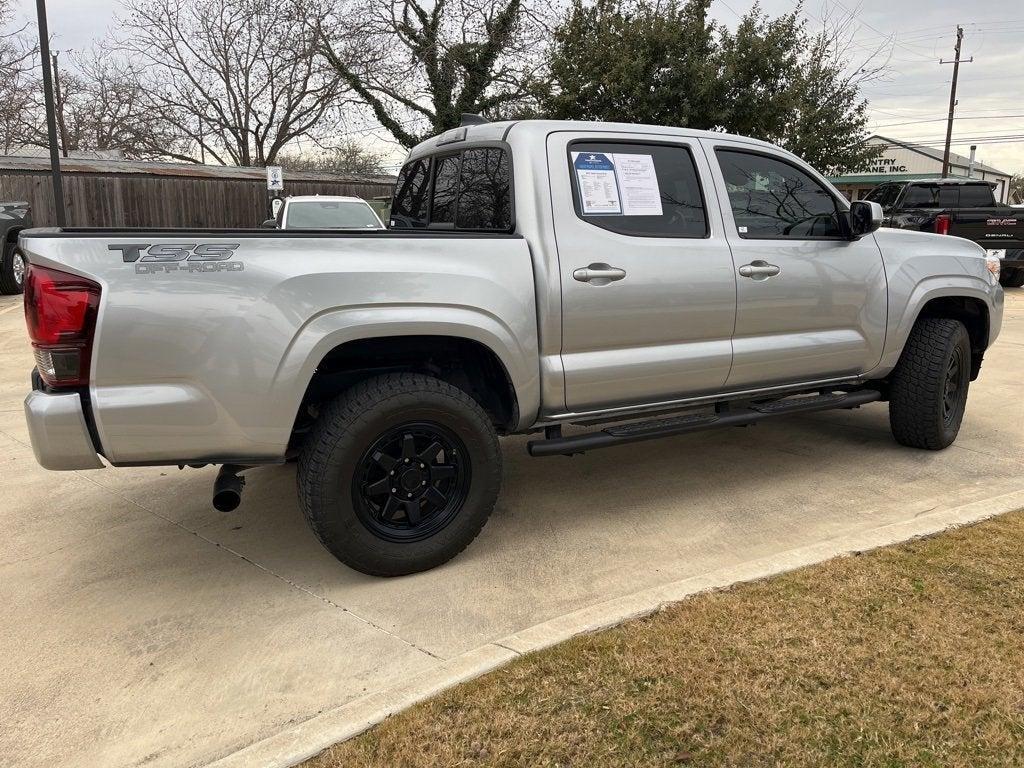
810, 303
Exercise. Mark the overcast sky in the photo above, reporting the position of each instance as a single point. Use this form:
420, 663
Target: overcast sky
909, 103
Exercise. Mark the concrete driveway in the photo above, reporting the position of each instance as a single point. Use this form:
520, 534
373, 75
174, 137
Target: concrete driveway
140, 627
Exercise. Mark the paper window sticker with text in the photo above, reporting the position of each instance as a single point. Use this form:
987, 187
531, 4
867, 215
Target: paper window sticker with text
595, 175
638, 184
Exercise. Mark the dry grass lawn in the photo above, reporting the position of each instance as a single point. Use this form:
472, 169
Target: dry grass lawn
908, 656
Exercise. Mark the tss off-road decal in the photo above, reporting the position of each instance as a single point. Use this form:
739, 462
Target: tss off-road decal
179, 257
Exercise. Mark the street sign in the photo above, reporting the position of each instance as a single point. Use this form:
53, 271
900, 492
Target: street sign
275, 177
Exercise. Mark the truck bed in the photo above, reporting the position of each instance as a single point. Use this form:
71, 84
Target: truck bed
209, 337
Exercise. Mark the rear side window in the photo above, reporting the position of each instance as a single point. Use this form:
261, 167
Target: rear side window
468, 190
409, 204
645, 190
772, 199
485, 190
976, 196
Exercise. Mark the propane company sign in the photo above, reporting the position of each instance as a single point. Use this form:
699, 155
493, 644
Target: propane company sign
886, 165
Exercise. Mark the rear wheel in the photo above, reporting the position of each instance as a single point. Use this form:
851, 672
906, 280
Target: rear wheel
1012, 278
928, 388
12, 270
399, 474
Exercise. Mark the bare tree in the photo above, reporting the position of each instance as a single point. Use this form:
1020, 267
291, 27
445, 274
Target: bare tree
103, 107
108, 109
238, 78
18, 81
348, 157
418, 65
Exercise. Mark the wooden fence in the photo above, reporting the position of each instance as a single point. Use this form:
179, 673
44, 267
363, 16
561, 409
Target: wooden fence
114, 193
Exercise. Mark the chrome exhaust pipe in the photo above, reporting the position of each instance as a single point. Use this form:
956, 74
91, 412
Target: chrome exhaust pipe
227, 488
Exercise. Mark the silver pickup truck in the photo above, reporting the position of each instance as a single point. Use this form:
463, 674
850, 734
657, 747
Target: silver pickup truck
640, 281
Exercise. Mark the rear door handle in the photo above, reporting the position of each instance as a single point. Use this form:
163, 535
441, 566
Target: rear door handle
759, 270
598, 274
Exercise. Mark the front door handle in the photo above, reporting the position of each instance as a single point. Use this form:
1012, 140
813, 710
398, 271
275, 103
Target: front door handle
759, 270
598, 274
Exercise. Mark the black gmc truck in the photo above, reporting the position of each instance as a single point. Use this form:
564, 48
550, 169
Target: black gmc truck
964, 208
14, 217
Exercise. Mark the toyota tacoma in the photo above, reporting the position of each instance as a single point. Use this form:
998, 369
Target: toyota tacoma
640, 281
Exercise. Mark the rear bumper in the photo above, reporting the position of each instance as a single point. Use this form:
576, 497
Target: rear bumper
60, 436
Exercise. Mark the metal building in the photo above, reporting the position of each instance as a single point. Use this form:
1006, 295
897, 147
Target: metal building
905, 160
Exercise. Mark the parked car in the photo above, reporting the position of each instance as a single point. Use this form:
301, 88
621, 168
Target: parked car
325, 212
641, 281
14, 217
964, 208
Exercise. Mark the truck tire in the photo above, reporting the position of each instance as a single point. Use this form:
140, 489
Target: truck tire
1012, 278
399, 474
12, 270
928, 388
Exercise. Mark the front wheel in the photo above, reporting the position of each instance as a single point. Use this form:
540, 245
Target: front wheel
928, 388
399, 474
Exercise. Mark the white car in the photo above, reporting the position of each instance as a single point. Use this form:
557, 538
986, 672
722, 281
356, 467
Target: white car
324, 212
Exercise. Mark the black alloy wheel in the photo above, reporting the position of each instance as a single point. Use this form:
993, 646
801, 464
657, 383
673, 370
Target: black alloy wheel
954, 389
411, 482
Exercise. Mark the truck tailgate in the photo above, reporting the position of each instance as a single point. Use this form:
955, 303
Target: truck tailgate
990, 228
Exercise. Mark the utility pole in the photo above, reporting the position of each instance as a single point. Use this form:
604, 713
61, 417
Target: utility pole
51, 122
60, 106
952, 96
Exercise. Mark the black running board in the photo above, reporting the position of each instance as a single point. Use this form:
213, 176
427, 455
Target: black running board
679, 425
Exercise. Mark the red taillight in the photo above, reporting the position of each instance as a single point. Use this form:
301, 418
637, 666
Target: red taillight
942, 224
60, 310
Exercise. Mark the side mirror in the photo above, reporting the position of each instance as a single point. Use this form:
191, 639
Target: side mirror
865, 218
269, 224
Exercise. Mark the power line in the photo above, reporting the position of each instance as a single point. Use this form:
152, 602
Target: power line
940, 119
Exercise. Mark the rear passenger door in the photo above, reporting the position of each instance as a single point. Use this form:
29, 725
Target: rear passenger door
811, 303
648, 285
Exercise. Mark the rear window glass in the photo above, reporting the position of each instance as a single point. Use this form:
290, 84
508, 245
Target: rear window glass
446, 190
467, 190
409, 204
330, 214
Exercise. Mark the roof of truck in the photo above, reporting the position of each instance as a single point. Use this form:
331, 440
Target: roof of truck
540, 128
324, 199
948, 180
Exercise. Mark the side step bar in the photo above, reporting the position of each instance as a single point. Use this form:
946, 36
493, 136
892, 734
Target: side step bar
678, 425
